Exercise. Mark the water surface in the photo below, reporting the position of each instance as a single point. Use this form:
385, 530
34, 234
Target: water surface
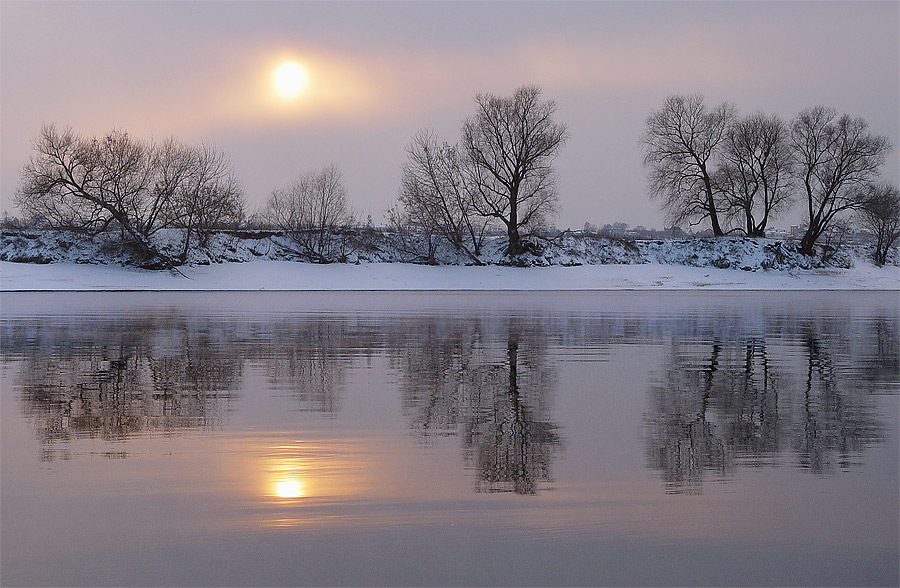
449, 439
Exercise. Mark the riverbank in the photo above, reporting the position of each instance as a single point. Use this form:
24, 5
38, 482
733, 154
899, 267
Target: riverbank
287, 275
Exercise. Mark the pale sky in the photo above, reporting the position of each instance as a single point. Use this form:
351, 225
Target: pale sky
378, 72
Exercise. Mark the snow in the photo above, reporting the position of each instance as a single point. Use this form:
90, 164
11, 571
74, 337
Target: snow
248, 260
287, 275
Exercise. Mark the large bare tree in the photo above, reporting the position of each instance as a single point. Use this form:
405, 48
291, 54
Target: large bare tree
834, 157
435, 197
89, 184
118, 181
681, 141
754, 178
510, 144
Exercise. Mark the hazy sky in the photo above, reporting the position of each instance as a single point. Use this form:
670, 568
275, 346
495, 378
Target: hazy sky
380, 71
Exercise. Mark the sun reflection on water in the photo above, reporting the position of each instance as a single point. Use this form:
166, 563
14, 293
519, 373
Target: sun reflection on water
287, 472
314, 470
289, 488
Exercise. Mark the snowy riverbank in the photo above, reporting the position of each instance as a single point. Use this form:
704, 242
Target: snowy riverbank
260, 260
286, 275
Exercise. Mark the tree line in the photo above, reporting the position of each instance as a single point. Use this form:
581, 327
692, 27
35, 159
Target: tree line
704, 164
710, 163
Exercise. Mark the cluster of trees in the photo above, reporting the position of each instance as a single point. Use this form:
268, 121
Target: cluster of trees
139, 188
704, 162
499, 173
741, 171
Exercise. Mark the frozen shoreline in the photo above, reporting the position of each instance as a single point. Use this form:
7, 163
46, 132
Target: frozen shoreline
294, 276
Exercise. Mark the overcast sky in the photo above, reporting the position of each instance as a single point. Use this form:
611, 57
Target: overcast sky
380, 71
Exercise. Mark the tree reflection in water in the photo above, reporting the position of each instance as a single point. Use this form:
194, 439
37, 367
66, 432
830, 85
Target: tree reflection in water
123, 377
309, 358
718, 405
734, 389
116, 379
509, 439
837, 421
461, 381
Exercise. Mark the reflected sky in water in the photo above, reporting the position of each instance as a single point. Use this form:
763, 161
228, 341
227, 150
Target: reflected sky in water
465, 439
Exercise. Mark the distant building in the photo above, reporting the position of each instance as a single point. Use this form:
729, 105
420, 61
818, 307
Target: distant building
777, 233
797, 231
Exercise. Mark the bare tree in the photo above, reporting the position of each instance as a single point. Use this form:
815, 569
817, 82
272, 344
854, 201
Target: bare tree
315, 212
434, 195
880, 214
89, 184
207, 197
418, 238
754, 179
173, 164
833, 158
681, 141
510, 144
118, 181
54, 188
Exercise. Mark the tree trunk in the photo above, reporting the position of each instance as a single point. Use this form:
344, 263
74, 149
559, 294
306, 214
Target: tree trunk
713, 217
881, 250
515, 241
187, 244
512, 227
808, 242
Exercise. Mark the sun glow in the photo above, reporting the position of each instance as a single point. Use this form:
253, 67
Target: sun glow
290, 79
288, 489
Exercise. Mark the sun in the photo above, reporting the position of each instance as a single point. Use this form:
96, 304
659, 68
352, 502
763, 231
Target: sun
290, 79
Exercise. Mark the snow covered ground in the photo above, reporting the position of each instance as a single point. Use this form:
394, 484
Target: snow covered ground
287, 275
247, 260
